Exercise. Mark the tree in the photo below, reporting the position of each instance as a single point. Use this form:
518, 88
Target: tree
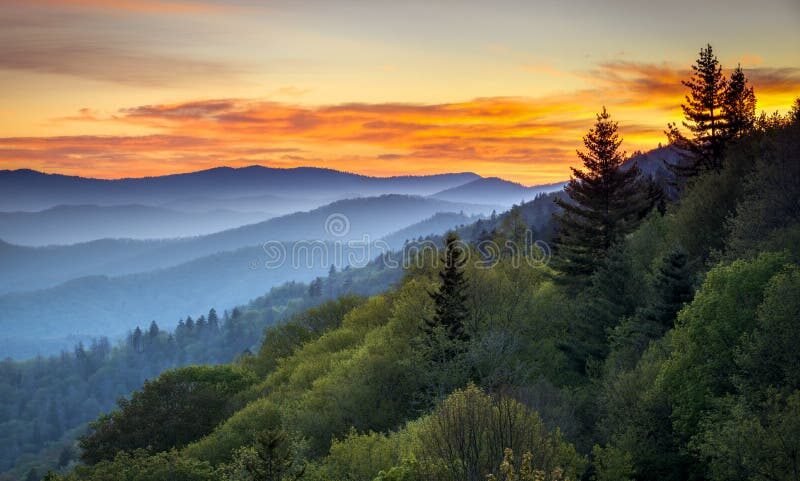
315, 288
153, 331
213, 320
136, 340
673, 288
705, 118
606, 201
469, 432
450, 299
794, 114
739, 108
271, 458
178, 407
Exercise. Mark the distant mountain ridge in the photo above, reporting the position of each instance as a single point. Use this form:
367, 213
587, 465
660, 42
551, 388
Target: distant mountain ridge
494, 190
27, 189
165, 279
27, 268
72, 224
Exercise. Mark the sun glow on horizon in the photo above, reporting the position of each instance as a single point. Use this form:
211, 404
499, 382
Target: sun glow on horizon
130, 89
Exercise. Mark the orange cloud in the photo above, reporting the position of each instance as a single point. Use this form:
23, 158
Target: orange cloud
530, 140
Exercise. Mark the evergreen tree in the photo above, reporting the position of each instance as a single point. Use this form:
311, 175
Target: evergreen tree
213, 320
136, 340
153, 331
673, 288
705, 118
275, 453
606, 202
315, 288
740, 106
794, 114
450, 299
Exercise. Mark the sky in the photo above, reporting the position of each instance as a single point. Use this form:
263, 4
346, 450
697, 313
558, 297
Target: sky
131, 88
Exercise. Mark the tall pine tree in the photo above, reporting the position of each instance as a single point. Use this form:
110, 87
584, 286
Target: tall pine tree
739, 108
673, 286
450, 299
606, 201
705, 118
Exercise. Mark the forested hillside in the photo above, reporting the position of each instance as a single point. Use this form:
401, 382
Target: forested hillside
47, 401
654, 338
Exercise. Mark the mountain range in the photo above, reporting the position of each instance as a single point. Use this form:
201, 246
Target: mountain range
29, 190
494, 190
89, 257
72, 224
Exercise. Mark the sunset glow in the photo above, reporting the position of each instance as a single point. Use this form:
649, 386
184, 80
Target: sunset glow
129, 89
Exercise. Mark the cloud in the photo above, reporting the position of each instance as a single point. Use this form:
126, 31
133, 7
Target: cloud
775, 80
76, 38
531, 140
109, 63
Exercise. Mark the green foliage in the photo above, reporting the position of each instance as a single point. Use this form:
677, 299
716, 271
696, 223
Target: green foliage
702, 363
143, 466
467, 435
450, 299
360, 457
271, 458
768, 357
177, 408
760, 442
768, 212
282, 340
238, 431
636, 419
612, 464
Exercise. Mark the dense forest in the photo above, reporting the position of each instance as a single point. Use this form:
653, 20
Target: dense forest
47, 402
656, 341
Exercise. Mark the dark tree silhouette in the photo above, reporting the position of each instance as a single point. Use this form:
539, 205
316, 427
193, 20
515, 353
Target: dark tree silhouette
705, 118
740, 106
606, 201
673, 286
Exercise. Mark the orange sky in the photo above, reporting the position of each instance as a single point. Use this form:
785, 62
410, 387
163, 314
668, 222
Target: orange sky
119, 89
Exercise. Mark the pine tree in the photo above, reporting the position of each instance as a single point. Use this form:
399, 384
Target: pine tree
673, 288
136, 340
705, 118
213, 320
740, 106
794, 114
606, 202
450, 299
153, 331
315, 288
